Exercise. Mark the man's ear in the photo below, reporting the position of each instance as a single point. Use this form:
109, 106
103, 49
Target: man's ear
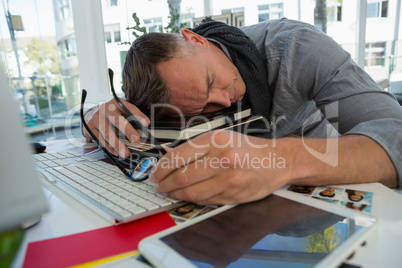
193, 38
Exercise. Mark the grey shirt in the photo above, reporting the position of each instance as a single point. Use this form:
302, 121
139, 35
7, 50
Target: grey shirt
319, 91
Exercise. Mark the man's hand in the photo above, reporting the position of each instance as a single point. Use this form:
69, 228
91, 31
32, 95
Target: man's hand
220, 167
102, 119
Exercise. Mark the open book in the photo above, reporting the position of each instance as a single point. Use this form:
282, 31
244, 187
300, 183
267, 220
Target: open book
183, 128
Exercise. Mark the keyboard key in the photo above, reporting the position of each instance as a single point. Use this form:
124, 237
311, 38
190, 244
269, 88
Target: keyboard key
160, 201
148, 205
136, 210
124, 213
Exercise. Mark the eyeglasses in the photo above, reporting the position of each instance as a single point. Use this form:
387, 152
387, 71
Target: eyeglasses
141, 171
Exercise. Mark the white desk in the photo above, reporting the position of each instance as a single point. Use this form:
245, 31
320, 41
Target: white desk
67, 216
383, 249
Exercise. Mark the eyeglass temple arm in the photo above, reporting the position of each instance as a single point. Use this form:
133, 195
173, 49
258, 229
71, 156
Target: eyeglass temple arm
83, 97
131, 118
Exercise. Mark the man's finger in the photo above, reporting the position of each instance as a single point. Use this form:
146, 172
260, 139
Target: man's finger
179, 157
124, 126
205, 192
104, 143
109, 137
183, 177
140, 116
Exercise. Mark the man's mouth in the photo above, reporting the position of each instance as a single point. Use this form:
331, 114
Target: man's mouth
234, 100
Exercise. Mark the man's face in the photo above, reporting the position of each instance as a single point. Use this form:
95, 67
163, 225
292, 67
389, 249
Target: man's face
204, 81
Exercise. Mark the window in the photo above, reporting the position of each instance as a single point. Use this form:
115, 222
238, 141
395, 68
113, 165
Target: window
62, 9
378, 9
68, 48
233, 10
108, 37
270, 12
375, 54
335, 12
153, 25
263, 13
187, 19
339, 13
231, 16
111, 3
112, 33
117, 37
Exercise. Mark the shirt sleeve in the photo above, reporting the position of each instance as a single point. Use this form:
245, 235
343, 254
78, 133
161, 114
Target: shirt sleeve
387, 133
328, 75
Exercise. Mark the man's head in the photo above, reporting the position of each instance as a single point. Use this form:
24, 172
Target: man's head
142, 83
190, 73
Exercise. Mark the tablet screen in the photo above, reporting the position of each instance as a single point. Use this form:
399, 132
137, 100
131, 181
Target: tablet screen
273, 232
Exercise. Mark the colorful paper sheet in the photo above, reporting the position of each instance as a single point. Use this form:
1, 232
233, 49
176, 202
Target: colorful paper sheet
94, 245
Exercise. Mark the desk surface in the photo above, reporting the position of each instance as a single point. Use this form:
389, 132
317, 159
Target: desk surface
67, 216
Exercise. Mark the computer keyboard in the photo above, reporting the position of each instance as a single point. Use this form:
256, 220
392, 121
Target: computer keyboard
102, 186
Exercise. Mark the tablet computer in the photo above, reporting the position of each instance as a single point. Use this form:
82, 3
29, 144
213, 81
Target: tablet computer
277, 231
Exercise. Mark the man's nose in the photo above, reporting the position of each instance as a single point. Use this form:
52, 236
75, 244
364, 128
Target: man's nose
220, 97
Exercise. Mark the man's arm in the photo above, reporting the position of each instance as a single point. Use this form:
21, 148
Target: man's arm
228, 167
318, 69
343, 160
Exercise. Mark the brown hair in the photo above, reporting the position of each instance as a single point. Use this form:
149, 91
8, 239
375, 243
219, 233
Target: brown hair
142, 83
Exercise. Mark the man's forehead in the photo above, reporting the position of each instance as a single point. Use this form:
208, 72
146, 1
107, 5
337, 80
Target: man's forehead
187, 84
186, 106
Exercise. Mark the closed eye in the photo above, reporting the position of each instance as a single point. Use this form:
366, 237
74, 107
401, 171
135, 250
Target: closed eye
210, 82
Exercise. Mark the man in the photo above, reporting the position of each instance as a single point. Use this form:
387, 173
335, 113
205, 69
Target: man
329, 121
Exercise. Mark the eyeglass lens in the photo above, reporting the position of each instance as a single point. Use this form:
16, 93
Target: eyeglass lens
143, 168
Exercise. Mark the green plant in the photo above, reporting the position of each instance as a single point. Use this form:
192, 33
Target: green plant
137, 29
174, 26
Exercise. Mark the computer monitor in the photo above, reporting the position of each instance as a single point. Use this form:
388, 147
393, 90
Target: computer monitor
21, 196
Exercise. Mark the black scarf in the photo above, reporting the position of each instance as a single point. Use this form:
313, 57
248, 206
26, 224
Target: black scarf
245, 56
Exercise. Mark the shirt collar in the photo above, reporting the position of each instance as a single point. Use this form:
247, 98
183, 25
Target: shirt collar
223, 47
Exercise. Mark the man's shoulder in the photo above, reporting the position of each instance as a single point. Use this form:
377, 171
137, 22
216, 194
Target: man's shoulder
282, 24
276, 33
